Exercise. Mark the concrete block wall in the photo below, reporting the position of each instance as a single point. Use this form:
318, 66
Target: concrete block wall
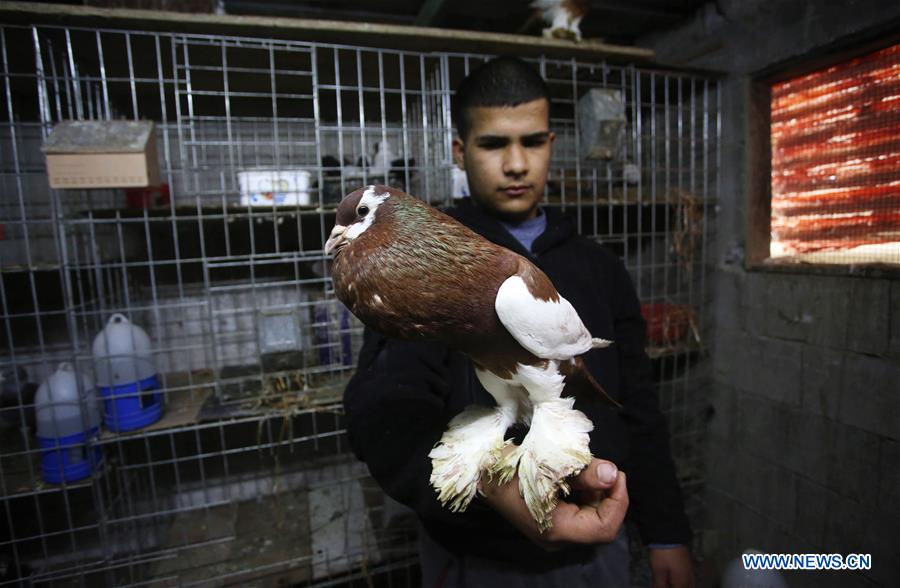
804, 441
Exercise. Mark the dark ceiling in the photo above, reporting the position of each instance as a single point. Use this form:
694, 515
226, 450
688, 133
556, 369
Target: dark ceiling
614, 21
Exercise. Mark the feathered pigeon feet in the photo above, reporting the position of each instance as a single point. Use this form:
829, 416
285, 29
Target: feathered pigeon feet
471, 445
555, 448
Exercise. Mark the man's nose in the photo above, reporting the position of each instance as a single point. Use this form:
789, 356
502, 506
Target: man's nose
514, 161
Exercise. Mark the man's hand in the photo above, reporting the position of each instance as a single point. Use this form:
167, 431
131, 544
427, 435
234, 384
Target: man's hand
671, 567
596, 517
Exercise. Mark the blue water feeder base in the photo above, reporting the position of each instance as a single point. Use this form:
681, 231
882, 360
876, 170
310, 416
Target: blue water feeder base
132, 406
69, 459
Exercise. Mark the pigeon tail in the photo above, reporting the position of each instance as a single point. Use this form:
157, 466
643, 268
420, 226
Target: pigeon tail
582, 385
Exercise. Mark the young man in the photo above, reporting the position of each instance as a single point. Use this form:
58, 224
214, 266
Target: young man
405, 393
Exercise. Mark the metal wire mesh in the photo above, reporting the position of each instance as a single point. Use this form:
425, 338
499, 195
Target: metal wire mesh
247, 477
833, 163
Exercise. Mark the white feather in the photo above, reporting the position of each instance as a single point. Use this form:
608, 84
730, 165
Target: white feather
470, 446
550, 330
556, 447
372, 201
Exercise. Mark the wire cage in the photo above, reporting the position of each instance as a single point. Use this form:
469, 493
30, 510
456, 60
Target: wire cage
247, 476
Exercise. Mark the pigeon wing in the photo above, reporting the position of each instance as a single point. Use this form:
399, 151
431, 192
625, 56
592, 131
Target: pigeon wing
542, 321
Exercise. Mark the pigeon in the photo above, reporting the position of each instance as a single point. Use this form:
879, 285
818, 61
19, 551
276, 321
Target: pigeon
563, 16
412, 272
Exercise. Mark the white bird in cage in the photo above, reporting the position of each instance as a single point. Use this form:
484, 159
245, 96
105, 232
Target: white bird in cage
563, 16
381, 160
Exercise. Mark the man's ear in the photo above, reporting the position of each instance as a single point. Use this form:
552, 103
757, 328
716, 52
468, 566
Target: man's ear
552, 138
459, 153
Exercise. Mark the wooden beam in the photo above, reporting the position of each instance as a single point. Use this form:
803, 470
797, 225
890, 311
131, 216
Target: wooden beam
326, 31
759, 173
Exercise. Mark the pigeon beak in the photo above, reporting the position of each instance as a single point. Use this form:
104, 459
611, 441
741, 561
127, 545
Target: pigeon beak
336, 239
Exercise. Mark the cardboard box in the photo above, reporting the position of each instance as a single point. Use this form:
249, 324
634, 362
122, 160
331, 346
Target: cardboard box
102, 154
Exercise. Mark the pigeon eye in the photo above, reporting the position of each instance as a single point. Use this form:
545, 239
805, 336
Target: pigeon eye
362, 210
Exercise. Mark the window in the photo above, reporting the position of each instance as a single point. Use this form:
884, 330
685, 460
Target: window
835, 162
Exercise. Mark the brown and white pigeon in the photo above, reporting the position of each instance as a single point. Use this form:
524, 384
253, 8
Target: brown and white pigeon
412, 272
563, 16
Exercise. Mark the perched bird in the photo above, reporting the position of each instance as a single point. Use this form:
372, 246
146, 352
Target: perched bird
563, 16
412, 272
382, 159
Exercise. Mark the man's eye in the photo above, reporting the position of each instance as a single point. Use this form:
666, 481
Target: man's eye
492, 144
362, 210
534, 142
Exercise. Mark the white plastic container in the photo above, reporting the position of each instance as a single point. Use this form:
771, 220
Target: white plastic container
122, 353
269, 187
68, 419
126, 375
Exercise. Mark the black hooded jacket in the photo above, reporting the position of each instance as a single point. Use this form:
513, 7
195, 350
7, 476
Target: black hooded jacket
404, 394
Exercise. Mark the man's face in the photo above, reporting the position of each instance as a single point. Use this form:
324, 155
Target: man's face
506, 157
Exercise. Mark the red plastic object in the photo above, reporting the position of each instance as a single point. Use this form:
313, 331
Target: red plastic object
148, 197
666, 323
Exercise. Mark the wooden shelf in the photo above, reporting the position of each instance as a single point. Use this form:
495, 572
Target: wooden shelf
206, 213
383, 36
189, 401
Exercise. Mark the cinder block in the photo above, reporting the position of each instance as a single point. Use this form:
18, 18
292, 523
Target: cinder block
755, 302
845, 524
868, 329
810, 443
776, 371
778, 496
882, 541
728, 296
809, 522
869, 397
727, 354
787, 314
829, 307
722, 467
755, 478
748, 360
753, 531
762, 427
720, 509
821, 383
721, 427
853, 471
889, 476
766, 488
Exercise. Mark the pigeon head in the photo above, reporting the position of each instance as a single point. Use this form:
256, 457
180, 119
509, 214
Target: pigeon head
355, 214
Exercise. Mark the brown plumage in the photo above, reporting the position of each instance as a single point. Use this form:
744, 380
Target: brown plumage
438, 285
412, 272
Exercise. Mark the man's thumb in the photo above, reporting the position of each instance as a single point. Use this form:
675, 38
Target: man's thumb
598, 475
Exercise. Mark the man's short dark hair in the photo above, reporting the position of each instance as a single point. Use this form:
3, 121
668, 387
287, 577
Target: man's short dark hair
503, 81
